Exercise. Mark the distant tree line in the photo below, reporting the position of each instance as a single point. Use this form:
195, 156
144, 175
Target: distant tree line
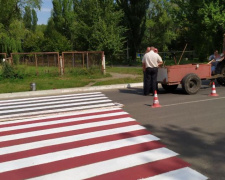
113, 26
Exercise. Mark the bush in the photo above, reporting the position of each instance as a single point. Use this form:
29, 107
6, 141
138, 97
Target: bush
9, 72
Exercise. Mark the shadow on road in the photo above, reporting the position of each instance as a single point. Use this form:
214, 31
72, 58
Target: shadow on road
191, 144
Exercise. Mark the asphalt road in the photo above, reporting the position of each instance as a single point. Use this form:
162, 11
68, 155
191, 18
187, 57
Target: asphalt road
191, 125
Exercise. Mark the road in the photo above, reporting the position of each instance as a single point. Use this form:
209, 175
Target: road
81, 136
191, 125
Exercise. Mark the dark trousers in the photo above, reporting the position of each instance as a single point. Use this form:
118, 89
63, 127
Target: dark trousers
150, 80
144, 83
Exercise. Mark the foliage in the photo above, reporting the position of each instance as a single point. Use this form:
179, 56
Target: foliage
119, 28
63, 16
30, 18
54, 41
9, 72
10, 40
160, 29
98, 26
202, 23
12, 29
134, 20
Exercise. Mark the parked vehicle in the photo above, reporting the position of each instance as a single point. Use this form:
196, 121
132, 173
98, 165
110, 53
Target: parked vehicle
190, 75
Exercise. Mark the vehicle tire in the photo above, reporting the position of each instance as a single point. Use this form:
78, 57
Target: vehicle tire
220, 69
169, 88
191, 83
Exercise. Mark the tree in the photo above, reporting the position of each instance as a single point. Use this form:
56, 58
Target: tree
27, 18
160, 29
12, 9
63, 16
98, 26
34, 20
54, 40
134, 20
202, 22
12, 28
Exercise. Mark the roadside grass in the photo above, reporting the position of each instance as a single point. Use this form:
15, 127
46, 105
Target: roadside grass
126, 70
49, 78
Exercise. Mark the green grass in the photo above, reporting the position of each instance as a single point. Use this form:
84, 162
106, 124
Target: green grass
126, 70
49, 78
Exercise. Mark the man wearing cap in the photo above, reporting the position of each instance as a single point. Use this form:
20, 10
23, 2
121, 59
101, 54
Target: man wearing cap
151, 62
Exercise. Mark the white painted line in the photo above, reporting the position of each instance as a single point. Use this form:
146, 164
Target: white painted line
111, 165
48, 97
61, 121
51, 103
63, 129
190, 102
55, 106
57, 156
179, 174
41, 112
67, 139
61, 115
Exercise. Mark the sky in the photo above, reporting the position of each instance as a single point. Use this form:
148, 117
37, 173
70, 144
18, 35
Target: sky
45, 12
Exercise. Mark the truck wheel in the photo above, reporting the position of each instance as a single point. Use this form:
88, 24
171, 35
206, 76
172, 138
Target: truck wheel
220, 69
191, 83
169, 88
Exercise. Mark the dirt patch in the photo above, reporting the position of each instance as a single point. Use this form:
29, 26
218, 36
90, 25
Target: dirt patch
114, 76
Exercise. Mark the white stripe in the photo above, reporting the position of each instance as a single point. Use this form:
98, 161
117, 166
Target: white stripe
54, 106
37, 124
63, 129
61, 115
179, 174
190, 102
49, 99
41, 112
111, 165
46, 97
57, 156
51, 103
68, 139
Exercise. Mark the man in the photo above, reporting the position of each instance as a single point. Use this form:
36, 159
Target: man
151, 62
144, 74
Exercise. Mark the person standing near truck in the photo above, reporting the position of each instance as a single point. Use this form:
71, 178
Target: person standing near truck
214, 59
144, 73
151, 62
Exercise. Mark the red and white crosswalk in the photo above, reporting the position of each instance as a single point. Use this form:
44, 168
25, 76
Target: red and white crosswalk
103, 142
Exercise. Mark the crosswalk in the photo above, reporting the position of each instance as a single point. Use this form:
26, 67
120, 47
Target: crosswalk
88, 137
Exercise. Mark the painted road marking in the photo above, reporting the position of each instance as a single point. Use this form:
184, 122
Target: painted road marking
92, 143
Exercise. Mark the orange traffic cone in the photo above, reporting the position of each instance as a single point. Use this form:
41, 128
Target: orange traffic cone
213, 93
156, 101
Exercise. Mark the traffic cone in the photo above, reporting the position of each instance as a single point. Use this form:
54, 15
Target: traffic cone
156, 101
213, 93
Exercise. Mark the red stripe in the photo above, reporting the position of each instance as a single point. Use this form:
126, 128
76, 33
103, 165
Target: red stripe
71, 145
59, 118
25, 130
52, 167
64, 134
145, 170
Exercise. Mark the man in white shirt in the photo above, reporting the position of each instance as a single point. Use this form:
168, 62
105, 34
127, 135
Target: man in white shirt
151, 62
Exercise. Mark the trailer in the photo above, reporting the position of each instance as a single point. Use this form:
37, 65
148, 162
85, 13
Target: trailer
190, 75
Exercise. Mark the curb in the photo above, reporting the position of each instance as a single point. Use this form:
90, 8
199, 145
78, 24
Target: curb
66, 91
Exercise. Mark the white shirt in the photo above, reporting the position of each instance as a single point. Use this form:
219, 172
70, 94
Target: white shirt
151, 59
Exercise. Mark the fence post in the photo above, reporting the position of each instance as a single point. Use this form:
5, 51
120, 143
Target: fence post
61, 65
87, 60
103, 64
